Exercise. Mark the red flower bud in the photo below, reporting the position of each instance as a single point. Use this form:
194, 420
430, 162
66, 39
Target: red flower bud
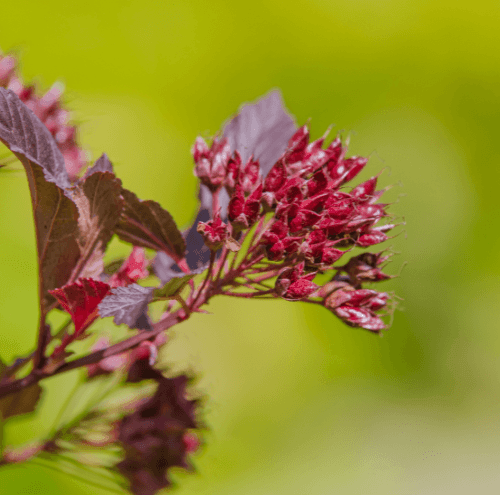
211, 164
243, 213
372, 238
214, 233
358, 317
365, 189
317, 183
300, 289
276, 177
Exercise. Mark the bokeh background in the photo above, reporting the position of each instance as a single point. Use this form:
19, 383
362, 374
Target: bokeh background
297, 402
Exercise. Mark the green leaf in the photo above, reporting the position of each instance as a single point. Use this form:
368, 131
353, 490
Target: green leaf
174, 286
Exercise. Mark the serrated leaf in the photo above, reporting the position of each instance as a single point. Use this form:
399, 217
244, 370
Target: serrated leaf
99, 203
21, 402
127, 304
25, 135
153, 436
81, 299
103, 164
261, 129
147, 224
54, 212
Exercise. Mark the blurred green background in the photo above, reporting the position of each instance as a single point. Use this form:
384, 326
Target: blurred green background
297, 402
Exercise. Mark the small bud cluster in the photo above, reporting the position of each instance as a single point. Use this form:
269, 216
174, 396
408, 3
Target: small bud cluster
345, 297
214, 233
310, 220
51, 112
211, 163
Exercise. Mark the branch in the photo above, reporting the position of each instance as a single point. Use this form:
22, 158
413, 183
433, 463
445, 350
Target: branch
37, 374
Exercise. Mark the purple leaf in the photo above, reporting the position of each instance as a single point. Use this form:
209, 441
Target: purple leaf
147, 224
261, 129
103, 164
197, 256
153, 437
25, 135
55, 213
128, 304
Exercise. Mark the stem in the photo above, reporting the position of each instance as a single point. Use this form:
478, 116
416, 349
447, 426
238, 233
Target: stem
215, 203
248, 295
222, 260
207, 277
43, 334
37, 375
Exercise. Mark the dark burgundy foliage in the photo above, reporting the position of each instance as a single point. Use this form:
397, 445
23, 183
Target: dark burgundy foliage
21, 402
147, 224
153, 437
25, 135
277, 213
103, 164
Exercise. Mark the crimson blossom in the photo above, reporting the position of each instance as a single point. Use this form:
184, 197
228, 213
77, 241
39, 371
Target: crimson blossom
304, 217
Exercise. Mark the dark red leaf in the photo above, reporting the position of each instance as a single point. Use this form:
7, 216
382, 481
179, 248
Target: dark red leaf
81, 299
153, 437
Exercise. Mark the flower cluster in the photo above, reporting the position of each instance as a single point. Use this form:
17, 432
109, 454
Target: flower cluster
310, 219
51, 112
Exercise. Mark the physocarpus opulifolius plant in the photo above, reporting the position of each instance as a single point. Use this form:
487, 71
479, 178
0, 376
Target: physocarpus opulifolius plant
280, 217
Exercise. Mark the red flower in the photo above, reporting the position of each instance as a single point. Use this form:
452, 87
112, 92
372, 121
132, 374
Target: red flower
358, 307
248, 176
292, 286
214, 233
244, 212
133, 269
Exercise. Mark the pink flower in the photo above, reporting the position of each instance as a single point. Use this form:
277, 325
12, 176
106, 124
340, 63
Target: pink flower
211, 163
214, 232
133, 269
